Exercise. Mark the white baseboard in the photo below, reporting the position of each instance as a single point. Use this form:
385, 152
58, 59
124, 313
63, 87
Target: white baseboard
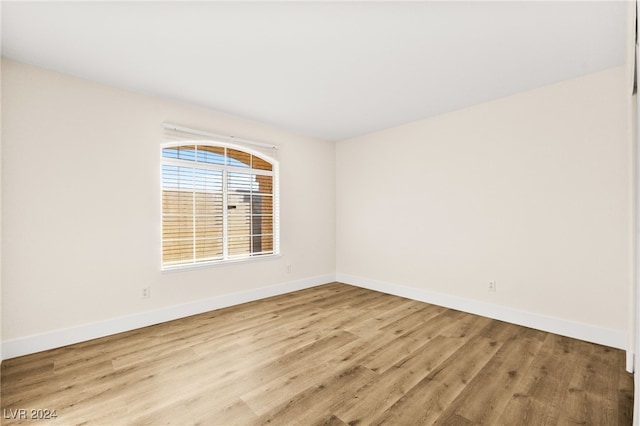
68, 336
574, 329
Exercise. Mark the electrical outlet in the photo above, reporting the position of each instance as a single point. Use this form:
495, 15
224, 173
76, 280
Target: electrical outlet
146, 292
289, 268
492, 286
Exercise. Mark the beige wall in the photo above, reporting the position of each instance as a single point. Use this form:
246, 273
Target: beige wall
81, 204
1, 291
532, 191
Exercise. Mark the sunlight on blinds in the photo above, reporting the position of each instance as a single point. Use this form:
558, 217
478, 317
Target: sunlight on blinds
218, 203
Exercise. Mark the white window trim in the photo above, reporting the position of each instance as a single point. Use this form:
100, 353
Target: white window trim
275, 173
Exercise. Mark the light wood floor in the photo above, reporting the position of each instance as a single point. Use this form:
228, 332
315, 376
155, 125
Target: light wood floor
332, 355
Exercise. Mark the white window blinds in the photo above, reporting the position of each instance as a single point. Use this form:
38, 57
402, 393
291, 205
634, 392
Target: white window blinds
219, 202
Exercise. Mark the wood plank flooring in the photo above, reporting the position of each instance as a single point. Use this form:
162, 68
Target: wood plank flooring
330, 355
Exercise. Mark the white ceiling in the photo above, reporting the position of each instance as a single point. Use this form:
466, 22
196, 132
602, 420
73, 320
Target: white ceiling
329, 70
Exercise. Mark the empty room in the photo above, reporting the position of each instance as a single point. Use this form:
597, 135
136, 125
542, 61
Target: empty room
304, 213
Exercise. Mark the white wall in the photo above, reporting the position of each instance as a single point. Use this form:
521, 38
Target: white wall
81, 205
0, 193
532, 191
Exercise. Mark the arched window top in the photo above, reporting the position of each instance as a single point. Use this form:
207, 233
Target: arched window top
218, 154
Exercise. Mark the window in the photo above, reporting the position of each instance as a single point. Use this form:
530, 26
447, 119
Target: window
219, 203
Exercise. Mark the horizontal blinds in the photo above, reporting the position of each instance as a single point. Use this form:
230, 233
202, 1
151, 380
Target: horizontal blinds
192, 214
219, 201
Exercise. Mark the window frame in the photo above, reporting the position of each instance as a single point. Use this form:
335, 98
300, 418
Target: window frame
226, 169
